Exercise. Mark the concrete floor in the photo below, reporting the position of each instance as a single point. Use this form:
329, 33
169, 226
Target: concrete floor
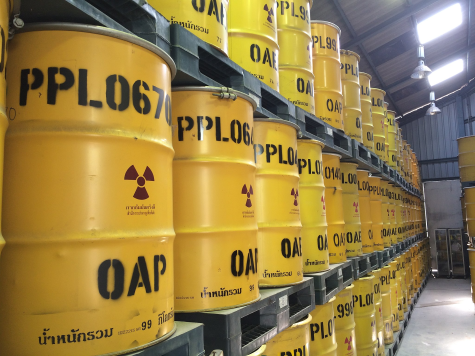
443, 321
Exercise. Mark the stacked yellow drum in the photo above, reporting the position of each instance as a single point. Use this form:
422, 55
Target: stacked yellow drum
385, 213
366, 111
466, 147
378, 308
376, 208
395, 291
392, 138
343, 309
326, 68
351, 209
386, 303
365, 211
386, 131
253, 39
295, 59
322, 330
350, 83
392, 213
377, 102
208, 21
365, 317
334, 208
312, 207
92, 210
294, 339
277, 204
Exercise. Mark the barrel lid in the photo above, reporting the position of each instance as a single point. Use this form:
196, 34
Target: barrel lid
371, 176
350, 53
327, 23
362, 170
280, 121
128, 37
377, 89
392, 112
303, 321
343, 161
366, 277
223, 90
331, 154
366, 75
309, 140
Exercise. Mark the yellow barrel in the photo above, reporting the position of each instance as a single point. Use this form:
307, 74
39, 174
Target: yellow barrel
386, 130
365, 211
366, 112
471, 258
334, 208
5, 11
326, 68
385, 213
322, 330
99, 256
392, 138
312, 203
207, 20
345, 322
295, 340
351, 209
277, 203
378, 114
204, 212
392, 212
350, 84
399, 214
378, 308
403, 286
400, 294
376, 212
469, 196
295, 60
253, 39
259, 352
409, 278
365, 318
385, 279
395, 291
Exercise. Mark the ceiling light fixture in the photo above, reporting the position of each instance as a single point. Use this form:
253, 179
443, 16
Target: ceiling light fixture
432, 110
446, 72
421, 71
440, 23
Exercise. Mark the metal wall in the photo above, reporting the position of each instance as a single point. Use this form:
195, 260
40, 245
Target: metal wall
434, 141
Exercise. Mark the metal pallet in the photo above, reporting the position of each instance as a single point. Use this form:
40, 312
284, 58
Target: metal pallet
186, 341
239, 331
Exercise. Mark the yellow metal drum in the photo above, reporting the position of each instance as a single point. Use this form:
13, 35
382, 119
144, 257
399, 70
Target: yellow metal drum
395, 291
392, 213
351, 94
471, 257
295, 59
469, 196
345, 322
322, 330
312, 206
334, 208
365, 211
90, 205
385, 213
365, 318
293, 340
378, 308
409, 278
386, 304
399, 214
379, 118
277, 202
253, 39
366, 111
259, 352
207, 216
326, 68
403, 286
351, 209
206, 19
376, 212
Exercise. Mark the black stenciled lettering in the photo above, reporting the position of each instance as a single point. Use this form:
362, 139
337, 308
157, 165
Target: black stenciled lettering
270, 153
236, 134
201, 7
138, 97
286, 248
213, 9
255, 53
25, 86
140, 272
181, 129
237, 267
102, 279
156, 262
53, 86
124, 92
201, 128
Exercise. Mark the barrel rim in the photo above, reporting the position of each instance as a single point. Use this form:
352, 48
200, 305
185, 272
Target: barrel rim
377, 89
461, 138
366, 277
371, 176
98, 30
217, 90
331, 154
307, 320
278, 121
368, 75
363, 170
348, 162
393, 113
311, 140
350, 53
259, 350
327, 23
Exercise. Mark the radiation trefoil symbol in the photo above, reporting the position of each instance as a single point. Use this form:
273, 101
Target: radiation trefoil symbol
248, 193
355, 204
295, 193
270, 13
131, 174
349, 342
323, 202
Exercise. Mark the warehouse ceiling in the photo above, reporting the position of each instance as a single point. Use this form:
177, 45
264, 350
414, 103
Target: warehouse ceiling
384, 34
